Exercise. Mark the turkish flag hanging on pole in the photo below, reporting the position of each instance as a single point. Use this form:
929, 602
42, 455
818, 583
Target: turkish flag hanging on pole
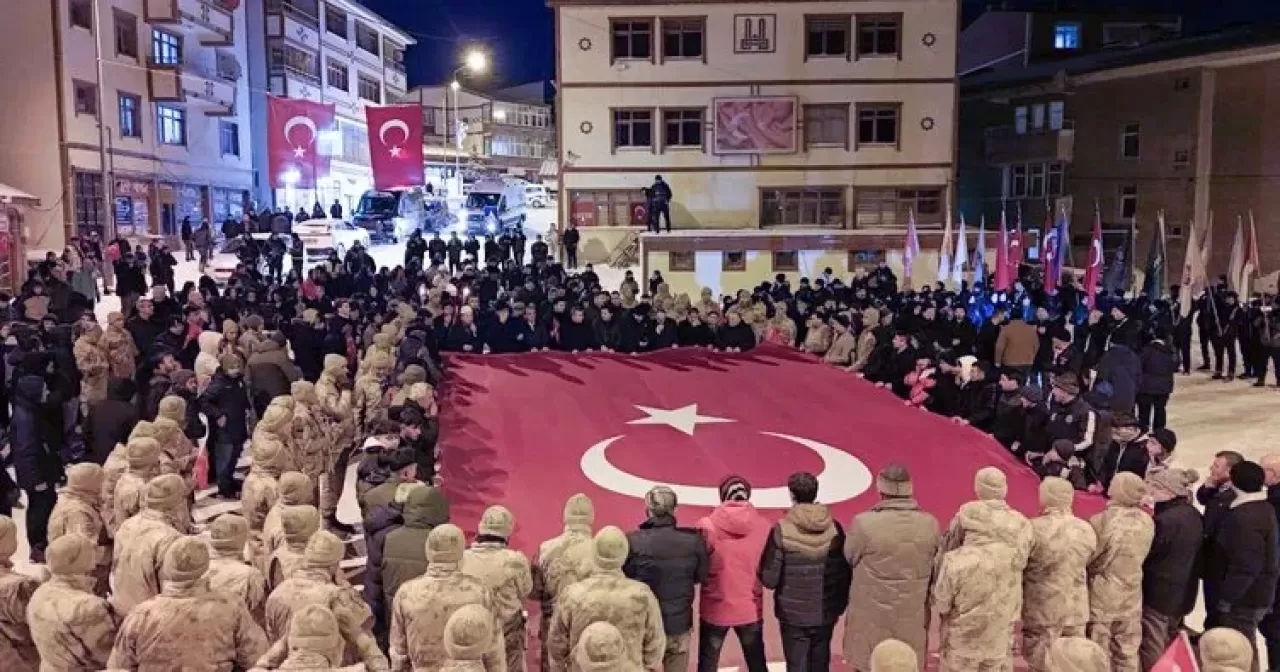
1093, 273
1002, 254
395, 145
293, 132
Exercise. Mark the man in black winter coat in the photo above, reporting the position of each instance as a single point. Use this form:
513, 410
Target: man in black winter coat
37, 418
111, 420
670, 560
1270, 626
803, 563
226, 403
1159, 364
1242, 571
1169, 580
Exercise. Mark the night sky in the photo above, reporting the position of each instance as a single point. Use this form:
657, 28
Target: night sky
519, 33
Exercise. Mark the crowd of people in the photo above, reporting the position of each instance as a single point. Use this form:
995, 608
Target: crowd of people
115, 429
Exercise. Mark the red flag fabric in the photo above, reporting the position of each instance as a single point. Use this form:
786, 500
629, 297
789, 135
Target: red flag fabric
395, 145
1049, 254
1003, 249
293, 128
1016, 252
1094, 273
1179, 657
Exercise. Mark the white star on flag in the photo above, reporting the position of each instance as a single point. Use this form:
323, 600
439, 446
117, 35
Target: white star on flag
680, 419
395, 152
299, 152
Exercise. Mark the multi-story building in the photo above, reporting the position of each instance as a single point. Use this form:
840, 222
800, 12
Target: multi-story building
1174, 126
327, 51
170, 96
508, 132
811, 130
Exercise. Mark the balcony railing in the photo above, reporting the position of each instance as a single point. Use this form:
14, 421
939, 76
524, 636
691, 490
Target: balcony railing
183, 84
204, 19
306, 11
1004, 144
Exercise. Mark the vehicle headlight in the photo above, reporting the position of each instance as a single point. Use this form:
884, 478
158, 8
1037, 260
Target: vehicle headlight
400, 222
491, 227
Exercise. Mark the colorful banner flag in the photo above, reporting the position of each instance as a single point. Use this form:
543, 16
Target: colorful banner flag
1055, 238
979, 263
395, 145
1003, 245
293, 128
1154, 281
944, 252
1179, 657
911, 248
1251, 261
1093, 272
962, 254
1235, 264
1193, 272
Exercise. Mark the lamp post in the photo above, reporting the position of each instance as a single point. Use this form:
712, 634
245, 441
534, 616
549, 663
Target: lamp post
475, 62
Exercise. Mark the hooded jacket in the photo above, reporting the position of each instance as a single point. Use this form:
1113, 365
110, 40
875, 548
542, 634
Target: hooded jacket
207, 361
404, 555
803, 563
735, 534
672, 561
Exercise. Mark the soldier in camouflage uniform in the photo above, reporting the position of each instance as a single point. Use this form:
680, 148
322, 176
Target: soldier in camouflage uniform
506, 572
384, 343
561, 561
170, 432
333, 396
262, 486
228, 572
187, 627
122, 352
77, 511
423, 606
975, 595
1125, 533
601, 648
310, 435
369, 398
894, 655
113, 468
314, 584
468, 635
143, 456
73, 628
295, 489
17, 649
141, 543
1075, 654
608, 595
299, 524
92, 363
315, 642
1055, 583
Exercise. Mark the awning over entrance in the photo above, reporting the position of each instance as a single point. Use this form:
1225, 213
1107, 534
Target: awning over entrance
12, 196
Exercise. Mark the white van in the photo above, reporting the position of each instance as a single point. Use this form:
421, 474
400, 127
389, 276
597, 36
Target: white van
494, 205
536, 196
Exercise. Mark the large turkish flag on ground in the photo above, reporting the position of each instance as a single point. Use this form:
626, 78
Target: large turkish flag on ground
527, 431
395, 145
293, 131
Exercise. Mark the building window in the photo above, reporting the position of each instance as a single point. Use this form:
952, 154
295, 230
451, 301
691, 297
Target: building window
889, 207
733, 261
171, 125
229, 138
1035, 180
682, 262
88, 195
369, 89
812, 206
392, 55
683, 38
624, 207
1181, 158
826, 125
878, 124
337, 75
126, 34
335, 21
1130, 144
878, 35
130, 116
166, 49
1017, 187
1037, 116
81, 13
632, 39
1066, 35
86, 98
286, 57
1020, 120
682, 128
367, 38
826, 36
1057, 179
865, 260
1128, 201
1182, 84
786, 260
1057, 110
633, 128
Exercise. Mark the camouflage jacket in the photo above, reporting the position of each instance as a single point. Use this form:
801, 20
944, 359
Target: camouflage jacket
562, 561
421, 609
974, 598
141, 543
75, 514
313, 440
1115, 572
73, 628
189, 629
232, 576
1055, 586
355, 621
258, 495
608, 596
130, 494
505, 571
122, 353
17, 649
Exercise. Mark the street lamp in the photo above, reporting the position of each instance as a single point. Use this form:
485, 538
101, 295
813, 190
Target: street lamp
476, 62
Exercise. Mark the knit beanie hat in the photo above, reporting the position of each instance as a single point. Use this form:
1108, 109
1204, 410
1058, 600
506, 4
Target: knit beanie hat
295, 488
1167, 439
497, 521
1127, 489
314, 629
1223, 647
231, 362
186, 560
735, 489
468, 634
228, 533
266, 453
8, 537
303, 391
445, 544
324, 551
990, 483
166, 492
660, 501
380, 363
579, 510
173, 408
894, 481
892, 655
282, 401
275, 419
71, 555
142, 454
1248, 477
601, 648
334, 363
253, 322
85, 479
419, 392
1056, 494
299, 522
611, 548
413, 374
1169, 484
1075, 654
145, 429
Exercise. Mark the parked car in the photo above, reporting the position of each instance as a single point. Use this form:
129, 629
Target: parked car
320, 236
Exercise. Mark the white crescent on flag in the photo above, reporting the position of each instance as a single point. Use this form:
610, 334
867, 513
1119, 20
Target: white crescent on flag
1095, 254
390, 124
305, 122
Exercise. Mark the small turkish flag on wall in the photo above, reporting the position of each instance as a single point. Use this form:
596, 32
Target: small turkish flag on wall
293, 133
1179, 657
395, 145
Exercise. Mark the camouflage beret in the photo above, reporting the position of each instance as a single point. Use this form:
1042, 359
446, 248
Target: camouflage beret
296, 488
445, 544
70, 555
228, 533
324, 550
186, 560
468, 635
85, 479
299, 522
892, 655
601, 648
166, 493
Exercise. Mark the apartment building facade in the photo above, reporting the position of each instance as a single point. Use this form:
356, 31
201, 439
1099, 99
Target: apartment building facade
328, 51
171, 97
